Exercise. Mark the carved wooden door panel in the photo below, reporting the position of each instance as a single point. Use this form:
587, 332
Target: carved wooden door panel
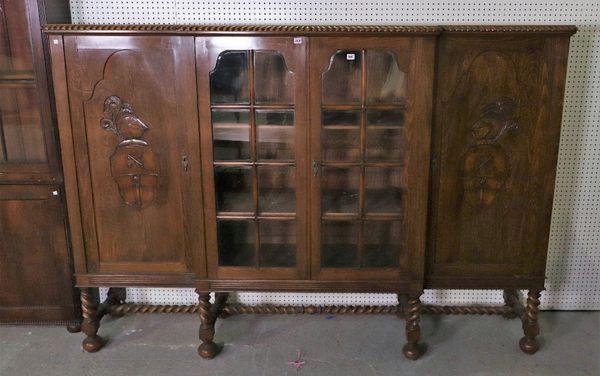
495, 151
254, 124
135, 130
370, 129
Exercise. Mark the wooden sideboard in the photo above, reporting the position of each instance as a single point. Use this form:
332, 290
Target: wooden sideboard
309, 158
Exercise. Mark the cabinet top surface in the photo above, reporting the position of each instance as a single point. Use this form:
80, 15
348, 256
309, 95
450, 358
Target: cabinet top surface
308, 29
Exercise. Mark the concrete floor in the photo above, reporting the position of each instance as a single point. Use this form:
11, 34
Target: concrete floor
331, 345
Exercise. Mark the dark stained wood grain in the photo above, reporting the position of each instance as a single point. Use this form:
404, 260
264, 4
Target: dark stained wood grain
154, 76
496, 134
322, 159
68, 153
35, 261
34, 258
16, 52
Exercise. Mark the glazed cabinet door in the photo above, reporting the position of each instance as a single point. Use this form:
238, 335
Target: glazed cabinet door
370, 127
496, 135
27, 145
35, 274
136, 145
253, 125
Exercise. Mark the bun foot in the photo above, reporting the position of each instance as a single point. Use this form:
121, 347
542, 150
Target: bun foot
93, 344
528, 346
74, 327
412, 351
208, 350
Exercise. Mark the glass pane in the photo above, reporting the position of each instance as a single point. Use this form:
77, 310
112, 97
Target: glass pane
385, 135
341, 81
386, 118
382, 243
340, 135
339, 190
231, 134
277, 189
21, 132
386, 83
275, 134
339, 244
16, 59
236, 242
229, 80
277, 243
233, 187
383, 190
274, 83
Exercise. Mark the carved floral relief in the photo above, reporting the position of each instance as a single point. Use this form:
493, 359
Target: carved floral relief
134, 166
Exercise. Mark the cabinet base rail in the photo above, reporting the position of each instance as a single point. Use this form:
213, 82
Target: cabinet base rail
409, 307
240, 309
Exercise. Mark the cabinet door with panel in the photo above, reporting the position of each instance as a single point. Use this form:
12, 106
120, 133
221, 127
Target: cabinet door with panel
136, 145
253, 124
34, 255
498, 114
370, 126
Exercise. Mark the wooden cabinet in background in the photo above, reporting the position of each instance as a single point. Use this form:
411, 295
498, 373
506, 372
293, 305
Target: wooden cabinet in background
35, 264
341, 159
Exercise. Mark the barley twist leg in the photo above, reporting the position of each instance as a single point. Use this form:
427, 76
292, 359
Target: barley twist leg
412, 350
531, 328
207, 349
91, 322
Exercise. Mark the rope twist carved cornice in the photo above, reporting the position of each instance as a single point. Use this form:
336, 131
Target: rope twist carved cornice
308, 29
